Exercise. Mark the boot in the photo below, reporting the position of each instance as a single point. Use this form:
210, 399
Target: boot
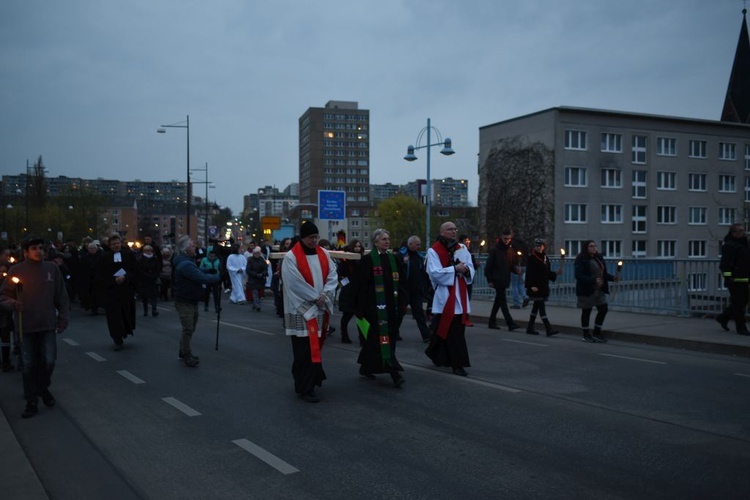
598, 336
587, 336
154, 312
530, 327
345, 337
145, 310
550, 331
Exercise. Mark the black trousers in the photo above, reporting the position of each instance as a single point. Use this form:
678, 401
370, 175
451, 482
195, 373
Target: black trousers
501, 303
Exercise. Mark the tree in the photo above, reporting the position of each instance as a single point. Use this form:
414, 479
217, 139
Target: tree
402, 216
517, 189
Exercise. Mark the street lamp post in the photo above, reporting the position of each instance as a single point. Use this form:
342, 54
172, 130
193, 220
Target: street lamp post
205, 218
162, 130
410, 156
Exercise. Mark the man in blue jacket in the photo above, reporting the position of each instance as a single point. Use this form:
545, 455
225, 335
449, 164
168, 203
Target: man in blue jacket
188, 291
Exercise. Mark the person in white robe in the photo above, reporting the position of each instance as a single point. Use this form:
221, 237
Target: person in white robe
236, 264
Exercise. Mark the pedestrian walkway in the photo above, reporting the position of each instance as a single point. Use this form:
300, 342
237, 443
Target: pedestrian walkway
696, 334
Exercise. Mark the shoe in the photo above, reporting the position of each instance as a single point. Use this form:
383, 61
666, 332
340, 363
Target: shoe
331, 331
512, 327
525, 302
588, 338
460, 371
31, 409
399, 337
345, 338
118, 345
398, 380
154, 313
205, 309
515, 306
366, 374
310, 396
600, 339
426, 341
182, 355
532, 332
469, 324
552, 332
48, 399
723, 322
493, 326
145, 313
191, 361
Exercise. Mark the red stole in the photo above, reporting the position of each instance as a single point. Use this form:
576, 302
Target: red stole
312, 323
449, 310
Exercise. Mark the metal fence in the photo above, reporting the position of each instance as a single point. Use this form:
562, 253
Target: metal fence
683, 287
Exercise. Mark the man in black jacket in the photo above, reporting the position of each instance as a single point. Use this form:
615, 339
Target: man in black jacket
735, 267
498, 269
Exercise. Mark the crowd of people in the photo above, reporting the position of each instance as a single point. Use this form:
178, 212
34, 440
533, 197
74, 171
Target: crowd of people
373, 291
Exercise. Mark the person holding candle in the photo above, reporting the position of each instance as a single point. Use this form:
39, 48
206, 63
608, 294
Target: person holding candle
735, 267
538, 276
35, 289
591, 289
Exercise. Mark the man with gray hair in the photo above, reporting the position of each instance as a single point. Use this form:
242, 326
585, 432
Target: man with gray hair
188, 291
416, 279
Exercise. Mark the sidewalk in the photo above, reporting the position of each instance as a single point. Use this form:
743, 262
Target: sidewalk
695, 334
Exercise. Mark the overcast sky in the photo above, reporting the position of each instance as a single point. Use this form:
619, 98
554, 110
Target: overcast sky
86, 83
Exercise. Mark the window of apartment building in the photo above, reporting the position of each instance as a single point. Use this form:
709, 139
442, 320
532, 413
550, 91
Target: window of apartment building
576, 213
727, 216
666, 146
576, 177
697, 149
612, 248
697, 282
573, 247
727, 151
638, 218
639, 183
697, 215
611, 143
639, 149
611, 178
697, 248
666, 181
666, 214
666, 248
611, 214
575, 139
747, 156
727, 184
697, 182
639, 248
115, 212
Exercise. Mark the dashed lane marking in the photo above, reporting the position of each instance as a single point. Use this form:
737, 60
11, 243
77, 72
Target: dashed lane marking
70, 342
266, 456
95, 356
131, 377
181, 406
634, 359
246, 328
526, 342
468, 379
743, 375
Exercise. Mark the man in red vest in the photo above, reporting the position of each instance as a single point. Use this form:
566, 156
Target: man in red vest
310, 281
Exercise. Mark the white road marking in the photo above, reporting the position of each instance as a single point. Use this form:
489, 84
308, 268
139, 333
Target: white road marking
266, 456
742, 375
525, 342
246, 328
181, 406
633, 359
70, 342
95, 356
469, 379
131, 377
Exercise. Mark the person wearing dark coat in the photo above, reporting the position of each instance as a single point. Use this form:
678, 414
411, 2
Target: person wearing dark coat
257, 272
538, 276
381, 300
87, 262
500, 264
416, 280
592, 287
348, 270
735, 267
149, 270
115, 283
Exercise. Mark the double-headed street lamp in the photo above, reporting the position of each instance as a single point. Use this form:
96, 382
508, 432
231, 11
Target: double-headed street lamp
163, 130
410, 156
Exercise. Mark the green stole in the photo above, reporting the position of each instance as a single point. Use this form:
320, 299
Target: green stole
377, 270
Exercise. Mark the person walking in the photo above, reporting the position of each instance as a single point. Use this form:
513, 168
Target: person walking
149, 270
212, 265
348, 272
310, 281
35, 290
450, 270
256, 271
735, 267
538, 276
236, 264
415, 280
592, 287
517, 280
381, 299
115, 282
188, 291
500, 264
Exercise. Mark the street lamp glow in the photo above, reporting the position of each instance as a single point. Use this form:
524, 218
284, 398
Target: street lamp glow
410, 156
